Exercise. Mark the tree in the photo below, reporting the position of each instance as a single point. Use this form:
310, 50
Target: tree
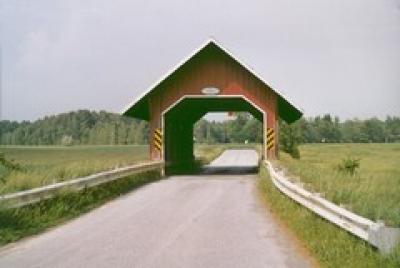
289, 138
351, 131
392, 129
308, 131
374, 130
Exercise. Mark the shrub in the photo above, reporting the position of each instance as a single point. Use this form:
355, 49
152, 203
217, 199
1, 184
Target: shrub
295, 153
6, 166
349, 165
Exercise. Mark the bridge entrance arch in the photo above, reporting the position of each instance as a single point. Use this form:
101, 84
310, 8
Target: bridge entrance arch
179, 119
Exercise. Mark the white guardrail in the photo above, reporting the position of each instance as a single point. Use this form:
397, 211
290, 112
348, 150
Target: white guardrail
23, 198
377, 234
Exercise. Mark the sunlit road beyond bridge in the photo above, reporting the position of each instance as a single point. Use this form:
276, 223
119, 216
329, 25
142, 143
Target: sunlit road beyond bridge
208, 220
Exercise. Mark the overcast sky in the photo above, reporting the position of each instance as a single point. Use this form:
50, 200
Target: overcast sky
341, 57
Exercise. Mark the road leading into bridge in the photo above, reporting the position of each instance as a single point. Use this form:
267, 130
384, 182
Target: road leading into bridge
183, 221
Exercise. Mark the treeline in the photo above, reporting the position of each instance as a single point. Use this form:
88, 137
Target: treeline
306, 130
329, 129
238, 130
89, 127
80, 127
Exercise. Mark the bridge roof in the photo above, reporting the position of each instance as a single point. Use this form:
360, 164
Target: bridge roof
139, 108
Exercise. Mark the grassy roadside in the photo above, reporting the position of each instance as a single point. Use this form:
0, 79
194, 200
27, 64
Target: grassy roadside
331, 246
373, 191
43, 165
29, 220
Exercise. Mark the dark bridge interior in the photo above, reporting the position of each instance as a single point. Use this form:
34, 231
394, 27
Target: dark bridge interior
179, 122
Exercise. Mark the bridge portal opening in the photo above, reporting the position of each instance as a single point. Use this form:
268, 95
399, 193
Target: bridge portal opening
228, 143
179, 121
232, 128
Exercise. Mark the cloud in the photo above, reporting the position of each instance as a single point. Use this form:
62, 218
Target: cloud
326, 56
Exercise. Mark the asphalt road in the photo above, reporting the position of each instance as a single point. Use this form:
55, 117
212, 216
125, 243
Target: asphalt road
183, 221
234, 162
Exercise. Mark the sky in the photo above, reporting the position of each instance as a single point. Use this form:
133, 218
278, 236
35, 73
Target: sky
340, 57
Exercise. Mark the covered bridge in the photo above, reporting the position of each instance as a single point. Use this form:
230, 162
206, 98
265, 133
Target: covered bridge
210, 79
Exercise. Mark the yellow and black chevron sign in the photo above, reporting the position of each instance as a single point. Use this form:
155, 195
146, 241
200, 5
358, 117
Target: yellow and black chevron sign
270, 138
158, 138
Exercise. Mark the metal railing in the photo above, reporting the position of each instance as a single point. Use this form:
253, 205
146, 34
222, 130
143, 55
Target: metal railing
375, 233
23, 198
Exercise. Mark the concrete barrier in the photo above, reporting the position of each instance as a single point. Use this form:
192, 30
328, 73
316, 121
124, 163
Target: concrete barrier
23, 198
375, 233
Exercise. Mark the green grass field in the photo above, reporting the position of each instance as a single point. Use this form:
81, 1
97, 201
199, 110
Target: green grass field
46, 165
374, 192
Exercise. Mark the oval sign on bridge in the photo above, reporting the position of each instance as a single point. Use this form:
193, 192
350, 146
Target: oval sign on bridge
210, 91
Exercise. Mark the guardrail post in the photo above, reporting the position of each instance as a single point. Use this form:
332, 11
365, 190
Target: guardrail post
384, 238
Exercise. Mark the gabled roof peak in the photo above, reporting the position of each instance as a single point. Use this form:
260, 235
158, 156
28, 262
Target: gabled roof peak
208, 42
